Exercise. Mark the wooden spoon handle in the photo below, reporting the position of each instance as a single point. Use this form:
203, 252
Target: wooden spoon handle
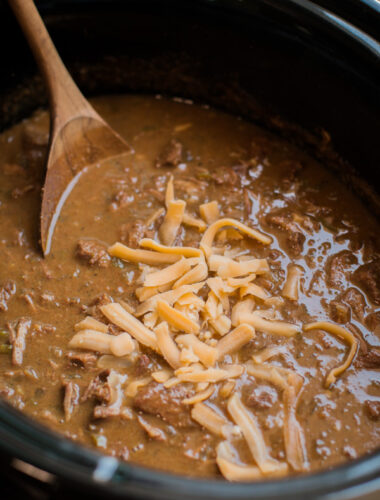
66, 100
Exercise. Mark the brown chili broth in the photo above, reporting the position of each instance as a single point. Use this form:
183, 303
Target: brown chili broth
52, 291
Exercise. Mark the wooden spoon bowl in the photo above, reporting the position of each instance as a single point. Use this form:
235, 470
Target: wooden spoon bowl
79, 137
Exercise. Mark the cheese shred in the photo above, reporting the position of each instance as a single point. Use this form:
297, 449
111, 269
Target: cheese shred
343, 334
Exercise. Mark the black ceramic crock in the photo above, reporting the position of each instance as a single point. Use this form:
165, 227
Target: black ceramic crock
290, 65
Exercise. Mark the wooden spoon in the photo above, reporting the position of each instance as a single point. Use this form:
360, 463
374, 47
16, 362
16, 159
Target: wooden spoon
79, 137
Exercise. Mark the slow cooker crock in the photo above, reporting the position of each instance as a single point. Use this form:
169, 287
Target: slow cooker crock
289, 65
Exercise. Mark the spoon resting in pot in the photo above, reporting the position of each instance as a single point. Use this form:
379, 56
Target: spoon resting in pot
79, 137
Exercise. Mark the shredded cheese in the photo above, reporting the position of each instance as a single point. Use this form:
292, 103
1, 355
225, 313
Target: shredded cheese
267, 353
241, 310
170, 297
92, 340
275, 327
209, 211
156, 215
169, 193
205, 353
184, 251
209, 235
221, 324
254, 290
167, 346
161, 376
268, 373
175, 318
235, 340
199, 397
190, 299
294, 438
144, 293
221, 290
209, 419
122, 344
89, 323
133, 387
191, 221
141, 256
232, 269
253, 436
168, 274
292, 283
343, 334
198, 273
122, 318
226, 390
239, 282
172, 221
211, 374
230, 469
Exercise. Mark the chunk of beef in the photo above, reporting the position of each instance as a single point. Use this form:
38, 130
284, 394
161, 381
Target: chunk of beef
93, 252
6, 292
106, 388
114, 329
373, 409
225, 175
165, 403
96, 388
340, 313
370, 248
143, 366
101, 300
70, 399
17, 337
338, 266
93, 309
229, 176
295, 239
85, 359
372, 322
367, 277
260, 398
295, 242
132, 232
171, 155
112, 397
356, 301
369, 359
